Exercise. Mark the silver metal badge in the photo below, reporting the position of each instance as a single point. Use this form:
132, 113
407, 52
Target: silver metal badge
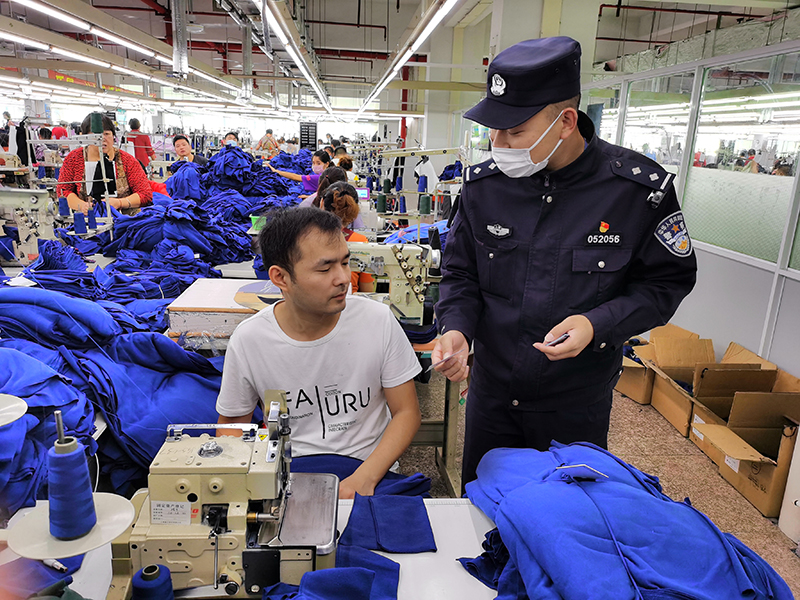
498, 85
498, 230
636, 170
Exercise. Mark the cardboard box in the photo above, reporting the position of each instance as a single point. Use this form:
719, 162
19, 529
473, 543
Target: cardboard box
754, 450
636, 381
672, 331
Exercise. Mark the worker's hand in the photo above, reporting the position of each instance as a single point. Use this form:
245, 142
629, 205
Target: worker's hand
85, 207
357, 482
448, 344
581, 333
273, 169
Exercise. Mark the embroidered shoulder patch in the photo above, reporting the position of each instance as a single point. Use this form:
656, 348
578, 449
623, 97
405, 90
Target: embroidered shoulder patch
672, 233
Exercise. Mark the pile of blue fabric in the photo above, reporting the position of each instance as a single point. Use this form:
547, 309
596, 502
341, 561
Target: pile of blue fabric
614, 521
299, 163
185, 181
409, 234
452, 171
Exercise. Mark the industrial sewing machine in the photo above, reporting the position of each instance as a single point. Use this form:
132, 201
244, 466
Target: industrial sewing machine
226, 512
407, 268
159, 170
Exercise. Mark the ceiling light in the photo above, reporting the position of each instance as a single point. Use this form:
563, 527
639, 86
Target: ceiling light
434, 22
55, 13
82, 57
213, 79
123, 42
274, 26
163, 59
130, 72
24, 41
17, 80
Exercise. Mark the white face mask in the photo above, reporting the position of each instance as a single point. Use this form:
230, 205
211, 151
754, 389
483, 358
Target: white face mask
517, 162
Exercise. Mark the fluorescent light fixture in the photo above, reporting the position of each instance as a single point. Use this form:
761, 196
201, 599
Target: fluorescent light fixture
17, 80
123, 42
130, 72
433, 24
21, 40
82, 57
163, 59
55, 13
274, 26
212, 79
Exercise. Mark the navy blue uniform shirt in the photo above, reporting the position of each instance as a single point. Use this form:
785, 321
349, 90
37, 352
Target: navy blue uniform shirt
524, 254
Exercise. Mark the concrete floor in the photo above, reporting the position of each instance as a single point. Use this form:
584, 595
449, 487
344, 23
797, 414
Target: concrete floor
643, 438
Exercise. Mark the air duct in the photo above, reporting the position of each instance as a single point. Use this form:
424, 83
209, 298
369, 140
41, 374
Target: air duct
180, 39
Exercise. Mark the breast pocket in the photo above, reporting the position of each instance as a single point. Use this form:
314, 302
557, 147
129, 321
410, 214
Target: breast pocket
497, 267
597, 275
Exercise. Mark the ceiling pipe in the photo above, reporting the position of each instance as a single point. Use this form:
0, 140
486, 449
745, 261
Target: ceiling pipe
343, 24
247, 60
682, 11
619, 39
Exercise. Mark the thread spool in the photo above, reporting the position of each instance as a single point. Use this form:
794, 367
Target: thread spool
423, 183
153, 582
398, 183
72, 513
92, 220
161, 171
58, 172
369, 183
424, 204
381, 203
80, 223
63, 206
41, 172
387, 186
96, 122
402, 204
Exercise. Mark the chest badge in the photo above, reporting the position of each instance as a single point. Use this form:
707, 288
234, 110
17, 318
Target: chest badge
604, 226
672, 233
499, 231
498, 85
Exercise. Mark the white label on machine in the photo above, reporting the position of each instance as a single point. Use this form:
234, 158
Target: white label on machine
733, 463
171, 513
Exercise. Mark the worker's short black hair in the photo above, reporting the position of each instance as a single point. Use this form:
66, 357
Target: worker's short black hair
45, 134
335, 143
340, 150
108, 124
134, 124
328, 147
269, 130
278, 240
323, 156
180, 136
234, 134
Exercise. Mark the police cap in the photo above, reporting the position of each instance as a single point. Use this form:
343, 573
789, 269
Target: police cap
525, 78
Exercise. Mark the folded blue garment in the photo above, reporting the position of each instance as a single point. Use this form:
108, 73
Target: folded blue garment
185, 181
350, 583
54, 255
24, 577
299, 163
387, 572
488, 567
618, 526
344, 466
373, 525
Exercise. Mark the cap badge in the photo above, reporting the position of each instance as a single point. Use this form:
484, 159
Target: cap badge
498, 85
498, 230
604, 227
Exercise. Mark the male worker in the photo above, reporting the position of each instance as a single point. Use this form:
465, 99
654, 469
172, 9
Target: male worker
268, 144
348, 393
560, 238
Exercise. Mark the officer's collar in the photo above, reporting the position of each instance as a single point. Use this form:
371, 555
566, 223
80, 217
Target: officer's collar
585, 163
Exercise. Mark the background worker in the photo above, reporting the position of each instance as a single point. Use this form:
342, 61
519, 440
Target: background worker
268, 144
127, 178
142, 148
558, 234
319, 162
183, 148
338, 390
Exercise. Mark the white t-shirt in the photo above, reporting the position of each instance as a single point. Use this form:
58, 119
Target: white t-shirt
334, 385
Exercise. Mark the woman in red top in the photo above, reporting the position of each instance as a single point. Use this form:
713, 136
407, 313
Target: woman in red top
142, 148
341, 199
129, 183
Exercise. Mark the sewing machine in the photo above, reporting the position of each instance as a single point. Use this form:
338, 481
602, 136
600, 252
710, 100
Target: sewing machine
159, 170
406, 266
226, 511
34, 215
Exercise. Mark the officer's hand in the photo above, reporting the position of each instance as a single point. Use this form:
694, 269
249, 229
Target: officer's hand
455, 369
581, 333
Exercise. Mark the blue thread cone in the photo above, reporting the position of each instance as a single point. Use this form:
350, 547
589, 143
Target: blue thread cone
72, 513
63, 207
92, 220
153, 582
398, 183
80, 223
423, 183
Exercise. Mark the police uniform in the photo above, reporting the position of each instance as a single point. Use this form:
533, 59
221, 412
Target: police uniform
602, 237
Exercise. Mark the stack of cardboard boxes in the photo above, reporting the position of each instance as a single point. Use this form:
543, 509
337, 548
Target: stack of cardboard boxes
742, 412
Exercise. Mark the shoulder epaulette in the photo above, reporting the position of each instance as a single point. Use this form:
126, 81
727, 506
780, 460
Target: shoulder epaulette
649, 175
484, 169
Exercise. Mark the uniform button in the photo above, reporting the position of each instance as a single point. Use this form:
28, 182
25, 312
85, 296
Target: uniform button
618, 164
515, 403
491, 254
549, 199
601, 264
603, 345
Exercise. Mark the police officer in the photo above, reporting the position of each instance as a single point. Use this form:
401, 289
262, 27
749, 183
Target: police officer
563, 247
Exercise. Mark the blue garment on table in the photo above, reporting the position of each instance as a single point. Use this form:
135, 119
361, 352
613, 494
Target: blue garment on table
228, 168
344, 466
452, 171
373, 524
409, 234
86, 246
299, 163
489, 566
151, 313
54, 319
24, 577
24, 443
621, 529
55, 255
350, 583
184, 184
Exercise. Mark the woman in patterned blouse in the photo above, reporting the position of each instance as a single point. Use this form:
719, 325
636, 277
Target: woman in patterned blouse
127, 178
